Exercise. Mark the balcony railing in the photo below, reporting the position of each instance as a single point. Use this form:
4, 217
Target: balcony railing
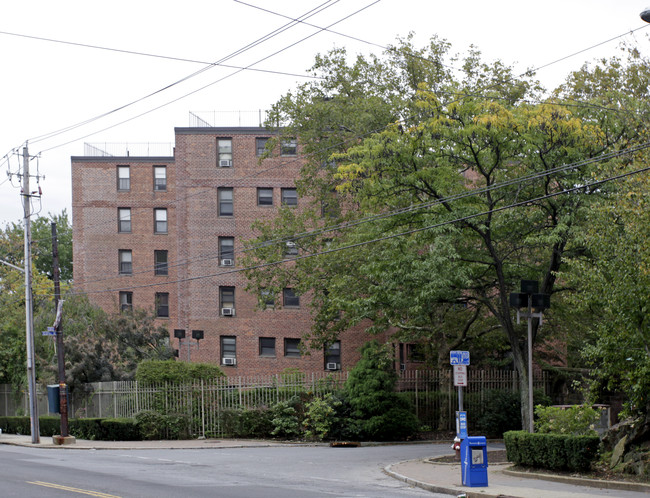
129, 149
212, 119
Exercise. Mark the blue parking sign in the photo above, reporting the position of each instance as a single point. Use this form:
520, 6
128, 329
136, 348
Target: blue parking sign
459, 357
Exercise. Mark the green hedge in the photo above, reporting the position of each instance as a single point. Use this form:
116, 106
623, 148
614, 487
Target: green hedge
551, 451
101, 429
157, 371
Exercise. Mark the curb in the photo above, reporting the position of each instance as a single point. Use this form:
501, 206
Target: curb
581, 481
426, 486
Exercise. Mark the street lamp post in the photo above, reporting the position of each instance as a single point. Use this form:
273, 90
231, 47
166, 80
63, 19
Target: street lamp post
532, 300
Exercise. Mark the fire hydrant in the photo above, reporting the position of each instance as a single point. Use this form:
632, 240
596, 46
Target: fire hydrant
456, 447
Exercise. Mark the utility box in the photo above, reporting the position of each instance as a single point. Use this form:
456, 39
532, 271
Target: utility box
53, 400
473, 461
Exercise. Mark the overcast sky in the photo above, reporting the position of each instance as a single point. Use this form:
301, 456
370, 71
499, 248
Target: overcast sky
48, 86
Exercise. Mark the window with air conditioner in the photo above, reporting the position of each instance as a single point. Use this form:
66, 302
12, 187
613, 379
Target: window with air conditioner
228, 350
126, 301
224, 146
226, 251
227, 300
333, 356
291, 249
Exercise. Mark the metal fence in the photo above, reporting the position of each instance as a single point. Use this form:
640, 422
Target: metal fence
210, 119
207, 403
125, 149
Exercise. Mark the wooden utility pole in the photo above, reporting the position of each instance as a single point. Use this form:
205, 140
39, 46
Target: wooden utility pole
64, 437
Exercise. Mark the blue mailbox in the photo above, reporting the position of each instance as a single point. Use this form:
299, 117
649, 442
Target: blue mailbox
473, 461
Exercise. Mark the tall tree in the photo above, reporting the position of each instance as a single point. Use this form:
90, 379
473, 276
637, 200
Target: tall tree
456, 195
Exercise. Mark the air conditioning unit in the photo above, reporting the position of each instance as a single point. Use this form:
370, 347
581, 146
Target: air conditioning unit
402, 366
229, 361
291, 243
225, 163
227, 262
228, 311
332, 366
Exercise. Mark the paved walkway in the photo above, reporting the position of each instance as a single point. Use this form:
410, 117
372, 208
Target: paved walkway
428, 474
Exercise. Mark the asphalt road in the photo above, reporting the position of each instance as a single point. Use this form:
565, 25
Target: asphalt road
305, 472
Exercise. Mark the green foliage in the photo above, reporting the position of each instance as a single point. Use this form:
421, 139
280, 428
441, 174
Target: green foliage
86, 428
577, 420
551, 451
380, 412
286, 418
501, 410
120, 429
175, 372
154, 425
320, 417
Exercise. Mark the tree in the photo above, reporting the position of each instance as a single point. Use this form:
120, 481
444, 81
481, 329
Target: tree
452, 189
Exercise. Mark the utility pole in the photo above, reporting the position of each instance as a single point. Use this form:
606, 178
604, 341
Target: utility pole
29, 317
64, 437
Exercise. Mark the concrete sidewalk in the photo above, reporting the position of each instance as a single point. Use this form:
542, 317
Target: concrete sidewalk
446, 478
428, 474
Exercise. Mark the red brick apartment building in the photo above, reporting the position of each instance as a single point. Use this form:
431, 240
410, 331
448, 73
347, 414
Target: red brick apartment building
165, 233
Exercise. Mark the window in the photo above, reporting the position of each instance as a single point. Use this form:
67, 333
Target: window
224, 146
289, 147
225, 198
228, 350
162, 304
226, 251
415, 352
227, 301
264, 196
160, 220
289, 197
267, 346
289, 298
160, 177
126, 261
124, 220
160, 262
333, 356
123, 178
292, 348
126, 301
260, 146
267, 298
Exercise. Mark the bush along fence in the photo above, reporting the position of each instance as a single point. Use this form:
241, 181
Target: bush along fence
219, 407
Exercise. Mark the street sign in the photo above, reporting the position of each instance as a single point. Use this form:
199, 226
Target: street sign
49, 332
460, 375
459, 357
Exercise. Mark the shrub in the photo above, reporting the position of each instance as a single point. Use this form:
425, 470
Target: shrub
320, 417
551, 451
86, 428
120, 429
158, 371
578, 420
154, 425
254, 423
286, 422
370, 389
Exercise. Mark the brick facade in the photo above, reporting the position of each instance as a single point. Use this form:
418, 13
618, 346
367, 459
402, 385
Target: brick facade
195, 221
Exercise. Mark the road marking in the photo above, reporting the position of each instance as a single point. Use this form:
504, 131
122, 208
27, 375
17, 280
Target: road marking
74, 490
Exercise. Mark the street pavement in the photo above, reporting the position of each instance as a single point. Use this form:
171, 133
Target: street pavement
429, 474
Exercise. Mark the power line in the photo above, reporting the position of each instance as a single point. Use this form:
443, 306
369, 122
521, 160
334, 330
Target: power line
387, 237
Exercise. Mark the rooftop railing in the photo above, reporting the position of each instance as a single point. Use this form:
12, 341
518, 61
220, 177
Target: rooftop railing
129, 149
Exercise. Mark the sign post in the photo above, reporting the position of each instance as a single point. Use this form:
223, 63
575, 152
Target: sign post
459, 360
